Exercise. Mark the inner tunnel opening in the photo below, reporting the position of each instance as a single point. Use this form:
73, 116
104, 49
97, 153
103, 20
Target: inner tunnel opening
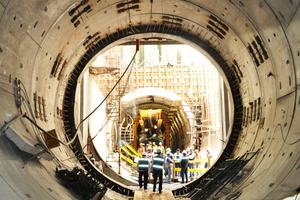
117, 39
172, 95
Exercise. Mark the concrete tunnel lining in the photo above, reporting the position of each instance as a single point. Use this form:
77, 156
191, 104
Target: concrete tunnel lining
273, 83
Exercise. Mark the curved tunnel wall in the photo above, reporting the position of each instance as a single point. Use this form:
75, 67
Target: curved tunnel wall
41, 43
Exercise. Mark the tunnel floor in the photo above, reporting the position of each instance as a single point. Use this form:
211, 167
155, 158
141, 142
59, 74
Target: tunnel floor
149, 194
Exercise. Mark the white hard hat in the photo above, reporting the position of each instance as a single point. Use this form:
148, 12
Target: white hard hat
168, 149
191, 148
184, 151
149, 147
187, 149
158, 151
144, 154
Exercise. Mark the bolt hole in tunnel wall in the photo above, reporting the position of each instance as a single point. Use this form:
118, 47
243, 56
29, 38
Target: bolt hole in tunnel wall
253, 44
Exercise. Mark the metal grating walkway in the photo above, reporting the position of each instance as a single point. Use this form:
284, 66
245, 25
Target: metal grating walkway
220, 177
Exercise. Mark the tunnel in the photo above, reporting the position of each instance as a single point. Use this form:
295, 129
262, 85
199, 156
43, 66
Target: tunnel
47, 46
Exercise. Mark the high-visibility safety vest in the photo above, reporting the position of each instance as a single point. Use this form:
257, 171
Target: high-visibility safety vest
158, 163
143, 164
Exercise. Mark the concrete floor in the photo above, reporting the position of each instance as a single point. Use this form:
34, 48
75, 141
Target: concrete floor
111, 195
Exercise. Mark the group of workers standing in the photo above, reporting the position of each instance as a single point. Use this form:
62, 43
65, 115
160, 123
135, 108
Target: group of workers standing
156, 160
156, 167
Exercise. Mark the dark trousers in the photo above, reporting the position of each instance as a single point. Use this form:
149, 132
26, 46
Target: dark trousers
191, 166
159, 174
145, 174
184, 172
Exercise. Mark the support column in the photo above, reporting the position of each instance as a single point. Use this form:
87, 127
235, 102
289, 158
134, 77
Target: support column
224, 108
136, 137
167, 134
84, 108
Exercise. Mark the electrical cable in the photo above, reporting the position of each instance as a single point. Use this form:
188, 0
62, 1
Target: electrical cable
72, 140
66, 144
4, 75
284, 139
28, 108
44, 130
4, 90
39, 135
28, 105
7, 84
109, 116
33, 122
58, 162
23, 99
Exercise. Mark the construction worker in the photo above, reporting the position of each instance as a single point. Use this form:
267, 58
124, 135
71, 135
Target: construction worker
177, 157
208, 156
143, 166
197, 164
184, 160
161, 147
141, 149
169, 164
149, 153
165, 157
187, 151
154, 146
191, 156
157, 168
171, 155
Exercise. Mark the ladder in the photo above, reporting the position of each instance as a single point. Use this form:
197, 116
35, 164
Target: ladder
127, 134
196, 126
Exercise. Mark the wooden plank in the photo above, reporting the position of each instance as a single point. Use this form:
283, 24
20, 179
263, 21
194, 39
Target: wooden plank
165, 195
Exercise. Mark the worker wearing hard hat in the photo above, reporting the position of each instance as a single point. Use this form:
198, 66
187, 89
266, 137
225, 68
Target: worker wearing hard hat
208, 156
187, 151
171, 155
143, 167
191, 156
157, 168
168, 150
169, 165
184, 160
149, 152
161, 147
177, 157
154, 146
141, 149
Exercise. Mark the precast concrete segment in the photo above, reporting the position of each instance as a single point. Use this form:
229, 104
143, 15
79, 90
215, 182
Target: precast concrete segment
40, 37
